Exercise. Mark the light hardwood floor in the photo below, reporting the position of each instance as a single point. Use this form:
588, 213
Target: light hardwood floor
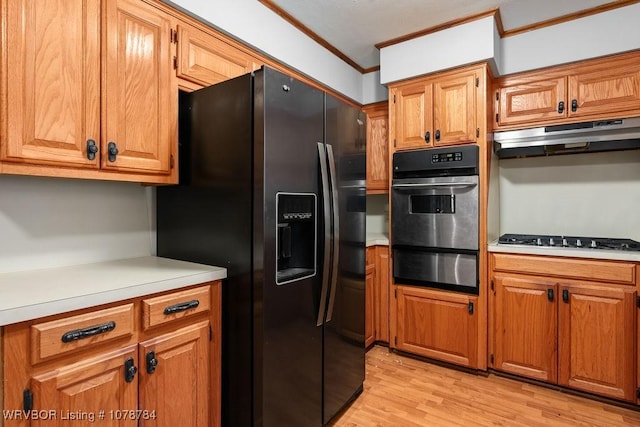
402, 392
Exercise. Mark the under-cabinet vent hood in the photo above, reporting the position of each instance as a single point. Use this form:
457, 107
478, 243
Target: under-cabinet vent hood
587, 137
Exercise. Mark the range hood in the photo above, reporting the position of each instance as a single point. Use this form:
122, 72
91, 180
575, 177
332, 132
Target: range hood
587, 137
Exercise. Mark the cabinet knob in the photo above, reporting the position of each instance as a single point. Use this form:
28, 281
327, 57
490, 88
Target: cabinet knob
565, 295
560, 107
112, 149
437, 134
92, 149
152, 362
550, 294
130, 370
427, 136
574, 105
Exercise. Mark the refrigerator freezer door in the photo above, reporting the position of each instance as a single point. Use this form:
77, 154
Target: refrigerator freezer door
288, 124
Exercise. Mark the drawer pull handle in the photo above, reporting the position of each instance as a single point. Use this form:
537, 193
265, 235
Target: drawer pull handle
172, 309
78, 334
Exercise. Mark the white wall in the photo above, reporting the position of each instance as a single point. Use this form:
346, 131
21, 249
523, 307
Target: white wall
51, 222
459, 45
595, 194
602, 34
255, 24
372, 90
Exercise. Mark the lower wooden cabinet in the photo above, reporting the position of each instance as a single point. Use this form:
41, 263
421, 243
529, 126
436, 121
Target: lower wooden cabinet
166, 373
377, 297
436, 324
369, 308
572, 332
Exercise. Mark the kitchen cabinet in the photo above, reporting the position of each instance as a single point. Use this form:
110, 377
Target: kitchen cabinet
369, 313
88, 91
205, 59
553, 324
436, 110
377, 312
154, 359
604, 88
436, 324
377, 147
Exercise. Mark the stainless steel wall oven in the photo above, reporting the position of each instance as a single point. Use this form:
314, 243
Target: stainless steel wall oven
434, 227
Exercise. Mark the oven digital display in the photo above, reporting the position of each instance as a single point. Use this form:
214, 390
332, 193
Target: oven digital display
446, 157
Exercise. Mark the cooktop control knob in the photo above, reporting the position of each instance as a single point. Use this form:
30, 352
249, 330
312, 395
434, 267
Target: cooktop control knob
551, 242
578, 243
593, 244
539, 242
565, 243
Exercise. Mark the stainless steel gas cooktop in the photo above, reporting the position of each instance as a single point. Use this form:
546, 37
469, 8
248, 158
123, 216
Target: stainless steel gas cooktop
569, 242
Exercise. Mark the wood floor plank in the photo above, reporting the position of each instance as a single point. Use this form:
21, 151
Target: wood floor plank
407, 392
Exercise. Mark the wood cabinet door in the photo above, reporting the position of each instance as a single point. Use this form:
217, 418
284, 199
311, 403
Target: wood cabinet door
177, 386
612, 89
413, 116
437, 324
369, 312
454, 109
382, 293
532, 102
596, 335
526, 327
206, 60
139, 97
89, 388
378, 149
51, 81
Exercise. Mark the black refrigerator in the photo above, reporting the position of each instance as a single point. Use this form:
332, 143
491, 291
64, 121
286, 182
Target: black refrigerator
272, 187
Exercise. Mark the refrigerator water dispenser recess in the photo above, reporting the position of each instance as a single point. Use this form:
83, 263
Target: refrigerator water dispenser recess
296, 236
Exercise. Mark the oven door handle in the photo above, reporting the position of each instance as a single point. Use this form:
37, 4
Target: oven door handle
435, 184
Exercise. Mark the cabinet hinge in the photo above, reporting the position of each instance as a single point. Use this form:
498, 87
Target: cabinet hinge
477, 81
496, 117
491, 359
174, 36
638, 301
395, 340
638, 393
172, 162
477, 132
394, 99
395, 293
492, 286
175, 62
497, 96
210, 333
470, 308
27, 400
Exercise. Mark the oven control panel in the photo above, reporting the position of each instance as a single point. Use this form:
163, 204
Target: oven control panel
446, 157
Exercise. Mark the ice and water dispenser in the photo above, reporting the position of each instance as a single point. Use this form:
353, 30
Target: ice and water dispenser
296, 236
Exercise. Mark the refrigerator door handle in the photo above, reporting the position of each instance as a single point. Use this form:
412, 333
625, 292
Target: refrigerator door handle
322, 156
336, 230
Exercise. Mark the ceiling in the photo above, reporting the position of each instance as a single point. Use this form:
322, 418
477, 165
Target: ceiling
352, 28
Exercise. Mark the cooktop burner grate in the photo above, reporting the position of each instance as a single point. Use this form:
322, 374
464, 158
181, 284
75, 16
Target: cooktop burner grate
569, 242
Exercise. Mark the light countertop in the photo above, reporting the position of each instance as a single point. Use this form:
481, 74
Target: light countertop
566, 252
28, 295
377, 239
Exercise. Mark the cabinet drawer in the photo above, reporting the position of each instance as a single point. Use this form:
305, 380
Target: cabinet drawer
167, 308
581, 269
72, 333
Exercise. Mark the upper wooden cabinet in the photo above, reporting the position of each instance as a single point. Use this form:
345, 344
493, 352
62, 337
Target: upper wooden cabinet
85, 79
51, 84
377, 148
436, 111
206, 60
139, 101
604, 88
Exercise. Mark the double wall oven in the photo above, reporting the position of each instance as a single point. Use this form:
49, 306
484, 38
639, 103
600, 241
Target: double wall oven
434, 204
